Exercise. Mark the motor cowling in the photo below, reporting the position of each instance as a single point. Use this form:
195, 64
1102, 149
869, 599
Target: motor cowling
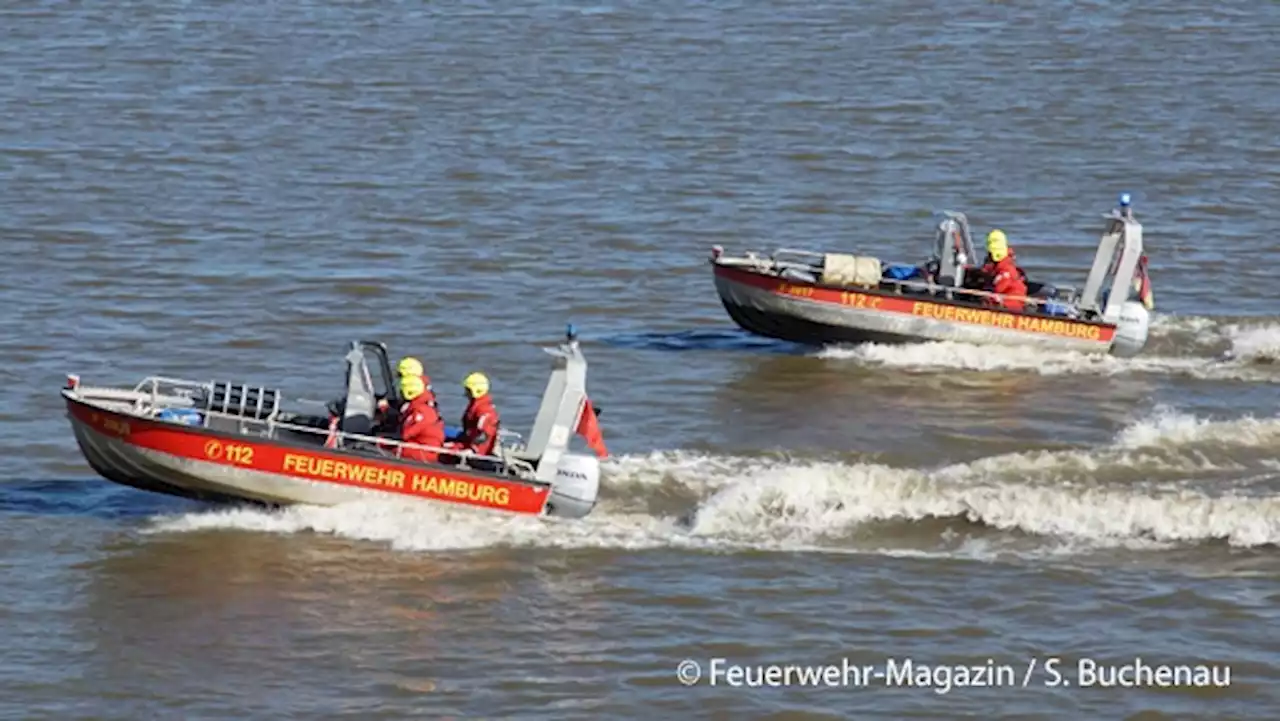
1132, 330
576, 485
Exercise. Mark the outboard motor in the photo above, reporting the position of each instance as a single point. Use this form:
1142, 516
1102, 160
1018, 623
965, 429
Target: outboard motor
574, 477
576, 486
1132, 329
1118, 290
1134, 324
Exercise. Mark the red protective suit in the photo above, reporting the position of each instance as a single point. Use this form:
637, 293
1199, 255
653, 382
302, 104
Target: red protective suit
420, 422
1006, 279
479, 427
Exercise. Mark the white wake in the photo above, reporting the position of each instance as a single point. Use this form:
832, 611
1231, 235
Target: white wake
1147, 488
1208, 350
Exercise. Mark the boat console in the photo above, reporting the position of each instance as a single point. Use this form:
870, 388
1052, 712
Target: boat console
952, 250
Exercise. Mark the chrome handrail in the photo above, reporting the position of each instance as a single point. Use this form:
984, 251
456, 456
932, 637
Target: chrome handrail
153, 382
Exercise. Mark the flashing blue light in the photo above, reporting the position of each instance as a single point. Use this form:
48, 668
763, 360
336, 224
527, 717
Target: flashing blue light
571, 332
1124, 200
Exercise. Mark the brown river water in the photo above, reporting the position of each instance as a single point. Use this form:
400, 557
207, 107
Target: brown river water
236, 189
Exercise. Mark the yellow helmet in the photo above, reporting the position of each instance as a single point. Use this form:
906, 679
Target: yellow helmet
409, 367
997, 245
476, 384
412, 386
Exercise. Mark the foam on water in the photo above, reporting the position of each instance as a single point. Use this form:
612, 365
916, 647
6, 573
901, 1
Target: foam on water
1168, 428
1197, 327
1246, 337
1249, 346
948, 355
1258, 344
1073, 499
825, 501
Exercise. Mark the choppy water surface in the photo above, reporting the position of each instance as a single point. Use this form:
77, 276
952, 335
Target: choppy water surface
237, 189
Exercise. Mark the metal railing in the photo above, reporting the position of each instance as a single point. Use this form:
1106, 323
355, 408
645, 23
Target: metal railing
506, 461
182, 389
775, 264
148, 400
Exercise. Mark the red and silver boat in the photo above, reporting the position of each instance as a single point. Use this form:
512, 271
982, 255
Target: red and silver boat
821, 298
227, 442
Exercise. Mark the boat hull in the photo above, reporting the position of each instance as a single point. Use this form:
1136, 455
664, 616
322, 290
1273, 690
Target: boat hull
213, 466
814, 314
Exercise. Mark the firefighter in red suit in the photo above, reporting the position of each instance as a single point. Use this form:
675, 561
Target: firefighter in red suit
1001, 273
420, 422
480, 420
410, 366
388, 419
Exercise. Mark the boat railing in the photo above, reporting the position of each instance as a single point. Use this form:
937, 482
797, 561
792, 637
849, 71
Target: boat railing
147, 402
152, 391
774, 263
465, 457
799, 252
162, 386
153, 395
777, 262
153, 384
952, 292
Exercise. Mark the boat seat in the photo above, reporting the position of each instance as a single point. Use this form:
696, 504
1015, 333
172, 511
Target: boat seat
357, 423
237, 399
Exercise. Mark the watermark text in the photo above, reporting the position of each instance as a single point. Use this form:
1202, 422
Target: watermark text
908, 673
